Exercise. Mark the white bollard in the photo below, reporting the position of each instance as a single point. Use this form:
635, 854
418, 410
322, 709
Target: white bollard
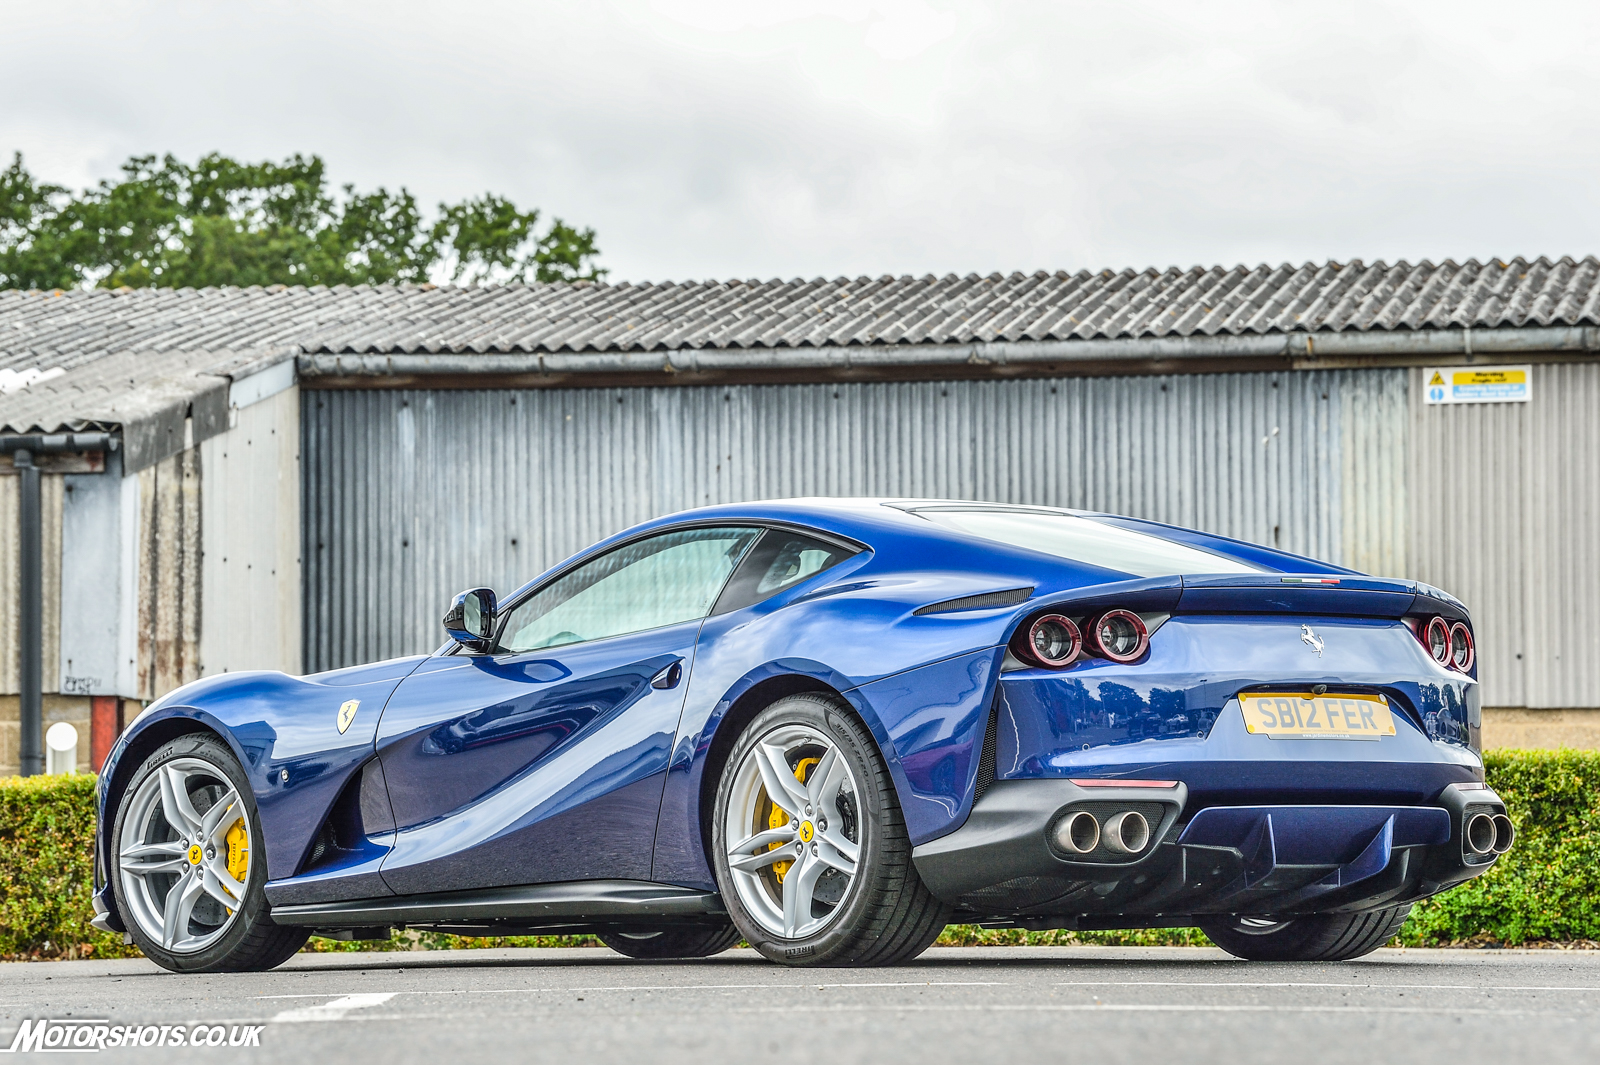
61, 748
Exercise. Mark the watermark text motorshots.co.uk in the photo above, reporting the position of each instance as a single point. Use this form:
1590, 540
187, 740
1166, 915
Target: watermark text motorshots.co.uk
93, 1036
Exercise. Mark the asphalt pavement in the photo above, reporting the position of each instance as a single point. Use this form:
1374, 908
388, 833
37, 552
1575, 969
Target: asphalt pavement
1076, 1005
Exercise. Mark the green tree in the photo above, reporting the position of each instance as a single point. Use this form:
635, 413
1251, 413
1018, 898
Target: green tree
223, 222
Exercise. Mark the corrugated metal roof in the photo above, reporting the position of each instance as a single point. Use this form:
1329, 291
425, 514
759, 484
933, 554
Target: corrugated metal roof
66, 328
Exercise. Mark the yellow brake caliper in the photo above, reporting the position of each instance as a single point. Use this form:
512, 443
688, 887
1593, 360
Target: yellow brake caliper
238, 851
780, 817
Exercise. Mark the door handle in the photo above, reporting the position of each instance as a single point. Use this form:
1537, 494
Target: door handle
669, 677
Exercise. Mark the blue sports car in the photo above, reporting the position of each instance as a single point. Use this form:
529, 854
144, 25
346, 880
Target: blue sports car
830, 727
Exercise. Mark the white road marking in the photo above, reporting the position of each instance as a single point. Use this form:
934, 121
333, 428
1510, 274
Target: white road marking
335, 1010
1433, 1011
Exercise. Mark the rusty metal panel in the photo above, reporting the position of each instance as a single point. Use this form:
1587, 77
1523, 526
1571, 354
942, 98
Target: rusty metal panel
411, 496
169, 564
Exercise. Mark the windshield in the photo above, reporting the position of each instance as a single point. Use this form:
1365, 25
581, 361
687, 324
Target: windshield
1087, 540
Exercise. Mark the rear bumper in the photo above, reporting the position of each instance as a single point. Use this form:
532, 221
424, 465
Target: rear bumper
1001, 865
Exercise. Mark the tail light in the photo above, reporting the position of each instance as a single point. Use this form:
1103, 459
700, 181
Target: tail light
1051, 640
1436, 638
1119, 635
1462, 653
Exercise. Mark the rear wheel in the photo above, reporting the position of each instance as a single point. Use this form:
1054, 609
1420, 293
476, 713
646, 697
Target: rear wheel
190, 870
672, 943
811, 851
1321, 937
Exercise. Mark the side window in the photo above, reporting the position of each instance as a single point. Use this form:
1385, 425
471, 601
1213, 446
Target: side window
779, 560
659, 581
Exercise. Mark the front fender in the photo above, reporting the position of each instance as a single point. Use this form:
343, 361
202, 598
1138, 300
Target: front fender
285, 732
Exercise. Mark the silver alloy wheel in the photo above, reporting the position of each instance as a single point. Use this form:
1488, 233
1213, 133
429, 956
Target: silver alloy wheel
1259, 926
173, 855
795, 810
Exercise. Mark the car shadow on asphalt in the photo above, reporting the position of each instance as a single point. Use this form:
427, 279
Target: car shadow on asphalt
1173, 961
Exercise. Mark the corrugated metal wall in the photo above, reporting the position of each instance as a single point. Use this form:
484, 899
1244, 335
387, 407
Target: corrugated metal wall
250, 525
1506, 505
411, 496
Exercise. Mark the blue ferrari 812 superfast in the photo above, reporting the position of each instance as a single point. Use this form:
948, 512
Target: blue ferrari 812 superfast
830, 727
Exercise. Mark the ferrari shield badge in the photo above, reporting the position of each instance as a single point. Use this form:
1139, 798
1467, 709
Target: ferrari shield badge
347, 714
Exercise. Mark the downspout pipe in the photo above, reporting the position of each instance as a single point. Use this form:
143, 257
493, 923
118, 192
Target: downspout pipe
24, 449
30, 615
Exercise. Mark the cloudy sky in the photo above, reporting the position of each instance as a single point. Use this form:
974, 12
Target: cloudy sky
764, 138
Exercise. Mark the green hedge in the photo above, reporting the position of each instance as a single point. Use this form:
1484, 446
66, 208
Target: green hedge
1547, 889
47, 870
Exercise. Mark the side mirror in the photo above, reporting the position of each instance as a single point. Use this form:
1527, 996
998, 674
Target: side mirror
471, 617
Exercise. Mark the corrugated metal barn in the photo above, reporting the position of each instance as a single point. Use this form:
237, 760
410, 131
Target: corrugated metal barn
307, 475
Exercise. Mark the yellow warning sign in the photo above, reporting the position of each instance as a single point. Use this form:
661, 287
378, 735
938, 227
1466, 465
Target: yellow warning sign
1477, 384
1489, 377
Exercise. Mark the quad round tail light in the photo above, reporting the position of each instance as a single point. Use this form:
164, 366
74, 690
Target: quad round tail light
1436, 638
1462, 653
1051, 640
1119, 635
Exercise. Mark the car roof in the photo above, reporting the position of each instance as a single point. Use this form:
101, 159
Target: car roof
879, 521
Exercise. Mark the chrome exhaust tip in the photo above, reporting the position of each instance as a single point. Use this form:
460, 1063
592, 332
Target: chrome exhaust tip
1479, 833
1078, 833
1505, 833
1127, 832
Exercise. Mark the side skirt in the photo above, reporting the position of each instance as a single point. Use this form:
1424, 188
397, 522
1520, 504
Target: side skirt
500, 910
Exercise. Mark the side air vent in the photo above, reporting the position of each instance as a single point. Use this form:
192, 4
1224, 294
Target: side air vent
361, 809
1010, 597
986, 757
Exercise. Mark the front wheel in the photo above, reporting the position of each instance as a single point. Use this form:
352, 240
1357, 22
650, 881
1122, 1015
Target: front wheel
1320, 937
812, 854
190, 871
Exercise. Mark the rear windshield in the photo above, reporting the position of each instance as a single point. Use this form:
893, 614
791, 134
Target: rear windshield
1087, 540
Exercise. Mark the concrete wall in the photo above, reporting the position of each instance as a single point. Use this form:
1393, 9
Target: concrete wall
73, 709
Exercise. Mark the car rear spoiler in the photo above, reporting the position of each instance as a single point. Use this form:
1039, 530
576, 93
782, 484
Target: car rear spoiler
1314, 593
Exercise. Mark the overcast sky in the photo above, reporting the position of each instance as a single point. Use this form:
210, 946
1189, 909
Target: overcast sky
758, 138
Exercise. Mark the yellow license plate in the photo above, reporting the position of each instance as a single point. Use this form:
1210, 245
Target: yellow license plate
1303, 716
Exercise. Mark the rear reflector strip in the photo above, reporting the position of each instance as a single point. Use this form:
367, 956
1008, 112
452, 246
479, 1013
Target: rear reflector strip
1310, 580
1102, 782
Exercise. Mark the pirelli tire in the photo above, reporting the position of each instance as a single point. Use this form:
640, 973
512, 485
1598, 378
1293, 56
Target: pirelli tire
1319, 937
185, 824
809, 844
672, 943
